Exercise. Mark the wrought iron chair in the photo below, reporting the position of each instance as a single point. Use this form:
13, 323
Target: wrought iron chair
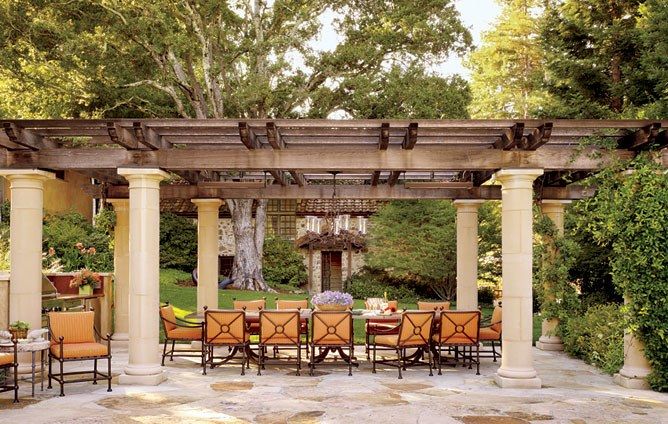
282, 305
374, 327
414, 333
9, 361
228, 329
73, 339
250, 306
180, 330
459, 329
492, 332
331, 330
279, 329
433, 306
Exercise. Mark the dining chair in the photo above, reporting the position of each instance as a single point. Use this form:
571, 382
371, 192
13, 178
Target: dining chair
331, 330
9, 362
458, 329
374, 327
178, 330
282, 304
225, 328
492, 332
279, 329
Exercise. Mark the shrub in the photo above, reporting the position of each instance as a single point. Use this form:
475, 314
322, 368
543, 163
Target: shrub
76, 243
178, 242
363, 285
282, 264
597, 337
485, 295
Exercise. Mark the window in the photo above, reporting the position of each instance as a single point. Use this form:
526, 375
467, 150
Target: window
281, 219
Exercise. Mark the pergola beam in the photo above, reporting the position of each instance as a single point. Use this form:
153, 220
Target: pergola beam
510, 137
244, 191
24, 137
121, 136
538, 137
276, 141
427, 158
409, 142
642, 138
383, 143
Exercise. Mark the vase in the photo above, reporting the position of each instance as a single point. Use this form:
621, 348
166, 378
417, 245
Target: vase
332, 307
86, 290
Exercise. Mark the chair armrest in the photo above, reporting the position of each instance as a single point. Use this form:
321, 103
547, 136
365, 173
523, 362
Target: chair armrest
380, 331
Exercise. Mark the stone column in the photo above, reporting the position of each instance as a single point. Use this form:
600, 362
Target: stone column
517, 369
143, 359
207, 252
633, 374
553, 209
25, 246
121, 269
467, 254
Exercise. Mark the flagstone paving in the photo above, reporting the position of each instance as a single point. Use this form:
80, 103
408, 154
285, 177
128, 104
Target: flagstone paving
572, 392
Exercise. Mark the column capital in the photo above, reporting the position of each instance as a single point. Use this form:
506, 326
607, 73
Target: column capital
521, 177
136, 174
555, 202
468, 204
207, 204
120, 204
28, 174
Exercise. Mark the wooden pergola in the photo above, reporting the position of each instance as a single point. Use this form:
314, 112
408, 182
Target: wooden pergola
290, 159
138, 162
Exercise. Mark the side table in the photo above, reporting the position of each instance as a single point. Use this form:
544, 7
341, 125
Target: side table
32, 347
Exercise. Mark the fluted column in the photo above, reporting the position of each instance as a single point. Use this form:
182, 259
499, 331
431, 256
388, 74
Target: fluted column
144, 219
207, 252
25, 246
467, 254
121, 269
553, 209
517, 370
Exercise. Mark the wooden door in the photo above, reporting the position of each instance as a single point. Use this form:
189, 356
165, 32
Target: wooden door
332, 278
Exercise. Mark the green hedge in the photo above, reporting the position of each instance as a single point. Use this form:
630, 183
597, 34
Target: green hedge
362, 285
178, 242
597, 337
282, 264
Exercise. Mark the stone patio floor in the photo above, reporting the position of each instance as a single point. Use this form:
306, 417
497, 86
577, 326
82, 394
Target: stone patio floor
572, 392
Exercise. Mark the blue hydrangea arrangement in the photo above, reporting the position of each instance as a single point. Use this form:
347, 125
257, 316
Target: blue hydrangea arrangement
332, 298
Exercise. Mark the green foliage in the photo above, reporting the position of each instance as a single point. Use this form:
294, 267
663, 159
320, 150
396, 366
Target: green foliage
105, 220
485, 295
73, 240
4, 236
416, 240
363, 285
489, 242
282, 264
178, 242
554, 256
508, 68
630, 213
604, 58
597, 337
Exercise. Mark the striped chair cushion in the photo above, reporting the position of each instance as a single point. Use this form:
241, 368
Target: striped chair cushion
74, 327
79, 350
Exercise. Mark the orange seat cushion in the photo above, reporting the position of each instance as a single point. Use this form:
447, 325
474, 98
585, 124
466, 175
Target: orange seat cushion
486, 333
458, 339
387, 340
80, 350
6, 358
185, 333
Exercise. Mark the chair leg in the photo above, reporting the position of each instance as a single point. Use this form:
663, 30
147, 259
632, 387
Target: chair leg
440, 359
243, 360
299, 358
431, 372
311, 363
373, 370
205, 359
366, 345
477, 359
62, 379
164, 352
307, 341
350, 362
50, 360
171, 356
493, 351
16, 382
95, 371
260, 355
400, 363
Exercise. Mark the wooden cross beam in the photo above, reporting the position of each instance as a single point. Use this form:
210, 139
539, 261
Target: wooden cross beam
148, 137
248, 137
537, 138
510, 137
409, 142
277, 143
479, 177
642, 138
383, 144
121, 136
23, 137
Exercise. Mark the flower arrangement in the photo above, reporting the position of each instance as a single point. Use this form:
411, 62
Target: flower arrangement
339, 299
85, 277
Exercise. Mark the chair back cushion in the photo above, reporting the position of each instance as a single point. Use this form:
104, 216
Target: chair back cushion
279, 327
73, 327
332, 328
433, 306
291, 304
250, 305
496, 321
459, 327
415, 328
168, 317
225, 327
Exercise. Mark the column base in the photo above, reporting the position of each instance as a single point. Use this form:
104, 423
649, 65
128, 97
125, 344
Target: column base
632, 380
141, 380
551, 343
517, 383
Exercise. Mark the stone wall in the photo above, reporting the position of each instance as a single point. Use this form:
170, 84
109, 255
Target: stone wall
226, 245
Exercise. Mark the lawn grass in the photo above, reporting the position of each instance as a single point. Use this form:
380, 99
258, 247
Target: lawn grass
184, 301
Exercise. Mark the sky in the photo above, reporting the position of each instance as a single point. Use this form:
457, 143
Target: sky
477, 16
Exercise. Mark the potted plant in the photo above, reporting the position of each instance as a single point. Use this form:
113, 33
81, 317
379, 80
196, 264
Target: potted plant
19, 329
332, 301
85, 280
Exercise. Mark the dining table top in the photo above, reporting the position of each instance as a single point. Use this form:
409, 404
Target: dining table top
358, 314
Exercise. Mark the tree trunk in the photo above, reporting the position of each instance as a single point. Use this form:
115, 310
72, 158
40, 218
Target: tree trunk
247, 268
